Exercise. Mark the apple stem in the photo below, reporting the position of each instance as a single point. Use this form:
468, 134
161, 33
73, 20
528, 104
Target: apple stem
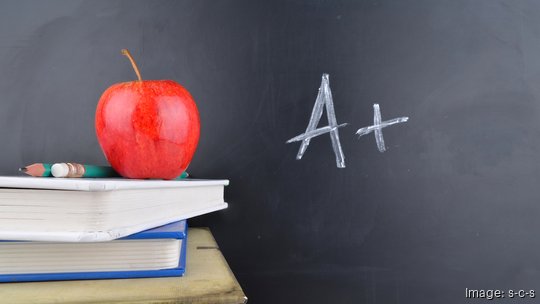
126, 53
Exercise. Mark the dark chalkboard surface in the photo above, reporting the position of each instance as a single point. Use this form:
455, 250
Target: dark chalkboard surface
452, 204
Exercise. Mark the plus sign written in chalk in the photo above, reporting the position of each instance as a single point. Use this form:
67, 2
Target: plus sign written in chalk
378, 125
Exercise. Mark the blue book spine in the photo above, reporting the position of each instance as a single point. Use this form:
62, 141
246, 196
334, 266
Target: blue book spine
177, 230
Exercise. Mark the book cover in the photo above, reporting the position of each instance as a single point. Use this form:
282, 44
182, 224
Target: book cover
101, 184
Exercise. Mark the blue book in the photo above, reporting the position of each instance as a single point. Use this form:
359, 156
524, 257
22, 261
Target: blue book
158, 252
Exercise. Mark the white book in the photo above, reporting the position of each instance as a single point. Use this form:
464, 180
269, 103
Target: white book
96, 210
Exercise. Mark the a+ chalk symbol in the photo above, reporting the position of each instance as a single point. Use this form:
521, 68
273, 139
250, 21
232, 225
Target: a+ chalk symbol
378, 125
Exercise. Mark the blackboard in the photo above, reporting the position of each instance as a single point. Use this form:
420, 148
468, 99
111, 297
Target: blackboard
453, 202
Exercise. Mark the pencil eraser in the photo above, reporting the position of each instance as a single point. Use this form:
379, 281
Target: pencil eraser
60, 170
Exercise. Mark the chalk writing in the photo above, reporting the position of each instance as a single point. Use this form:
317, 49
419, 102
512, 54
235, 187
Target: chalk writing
378, 125
324, 98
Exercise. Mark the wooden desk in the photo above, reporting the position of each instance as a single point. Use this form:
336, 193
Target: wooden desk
208, 279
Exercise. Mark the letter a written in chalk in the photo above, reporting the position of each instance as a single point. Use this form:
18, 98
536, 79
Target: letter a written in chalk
324, 98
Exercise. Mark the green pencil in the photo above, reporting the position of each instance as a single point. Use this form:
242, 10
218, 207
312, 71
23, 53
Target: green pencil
68, 170
74, 170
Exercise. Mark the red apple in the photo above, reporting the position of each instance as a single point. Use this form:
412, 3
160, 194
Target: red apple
147, 128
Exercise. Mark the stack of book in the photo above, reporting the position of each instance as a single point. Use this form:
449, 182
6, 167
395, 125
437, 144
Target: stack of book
73, 229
